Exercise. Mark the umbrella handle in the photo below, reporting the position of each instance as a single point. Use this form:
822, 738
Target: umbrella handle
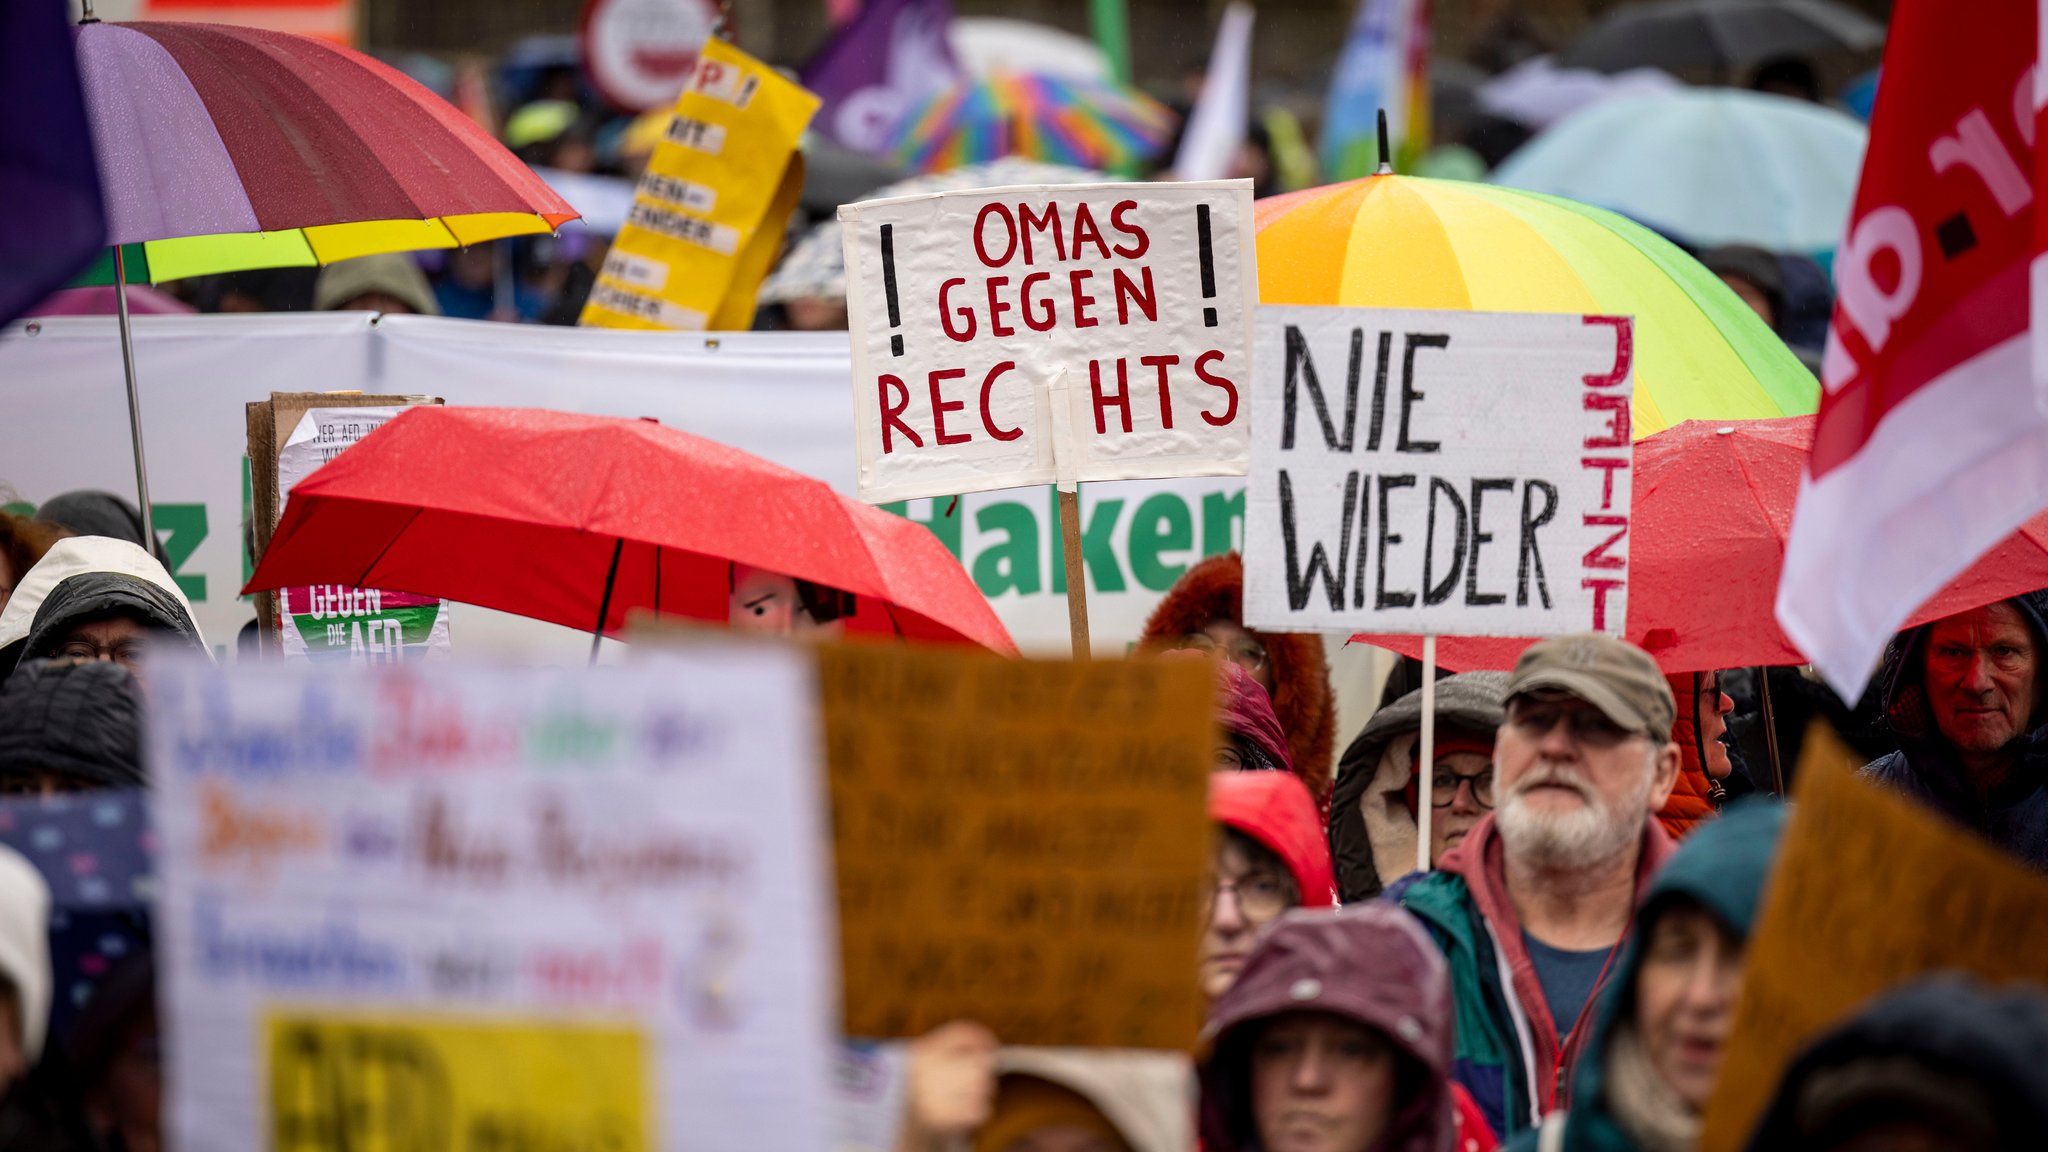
604, 606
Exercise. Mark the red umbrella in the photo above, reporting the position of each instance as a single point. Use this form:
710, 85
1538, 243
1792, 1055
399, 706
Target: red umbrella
1712, 503
581, 519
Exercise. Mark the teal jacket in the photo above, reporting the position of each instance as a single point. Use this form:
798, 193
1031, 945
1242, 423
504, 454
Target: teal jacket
1511, 1057
1722, 867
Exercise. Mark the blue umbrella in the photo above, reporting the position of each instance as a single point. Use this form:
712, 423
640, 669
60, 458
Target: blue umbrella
1710, 166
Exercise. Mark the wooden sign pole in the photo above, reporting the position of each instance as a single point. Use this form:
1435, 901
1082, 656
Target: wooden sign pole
1077, 574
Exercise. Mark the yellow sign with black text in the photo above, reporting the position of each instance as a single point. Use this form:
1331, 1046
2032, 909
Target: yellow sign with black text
709, 213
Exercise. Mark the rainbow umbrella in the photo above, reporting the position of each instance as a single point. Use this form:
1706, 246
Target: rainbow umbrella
224, 148
1057, 119
1390, 241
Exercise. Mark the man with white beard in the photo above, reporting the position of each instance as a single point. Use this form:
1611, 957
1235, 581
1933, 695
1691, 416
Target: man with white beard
1532, 906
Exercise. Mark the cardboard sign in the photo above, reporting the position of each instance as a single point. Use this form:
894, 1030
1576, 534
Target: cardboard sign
708, 215
1032, 335
1463, 473
337, 622
1870, 891
1022, 844
475, 907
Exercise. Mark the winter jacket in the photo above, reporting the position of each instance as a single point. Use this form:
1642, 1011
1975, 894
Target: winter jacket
2015, 815
1372, 832
1245, 709
1143, 1095
1936, 1047
25, 945
1510, 1055
86, 576
1692, 799
1274, 809
80, 723
1723, 869
1302, 697
1371, 964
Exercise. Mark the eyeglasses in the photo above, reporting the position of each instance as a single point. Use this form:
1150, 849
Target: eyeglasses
120, 652
1247, 654
1587, 725
1444, 784
1260, 896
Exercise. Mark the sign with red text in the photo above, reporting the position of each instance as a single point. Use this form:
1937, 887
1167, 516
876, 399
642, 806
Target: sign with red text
1005, 337
1460, 473
459, 906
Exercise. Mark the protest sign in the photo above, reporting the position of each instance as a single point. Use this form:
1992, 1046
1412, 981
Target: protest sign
708, 215
1020, 844
1012, 336
1464, 473
639, 54
332, 621
1869, 891
494, 907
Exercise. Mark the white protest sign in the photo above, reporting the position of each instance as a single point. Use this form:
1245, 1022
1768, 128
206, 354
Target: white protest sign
1462, 473
471, 907
332, 621
1004, 337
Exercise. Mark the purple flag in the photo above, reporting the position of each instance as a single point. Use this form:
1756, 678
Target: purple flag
55, 223
876, 66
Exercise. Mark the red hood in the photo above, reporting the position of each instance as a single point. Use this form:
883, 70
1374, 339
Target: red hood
1244, 708
1274, 808
1692, 799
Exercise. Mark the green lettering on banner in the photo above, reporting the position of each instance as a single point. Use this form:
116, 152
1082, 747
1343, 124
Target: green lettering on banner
946, 528
1098, 556
1161, 524
1222, 522
19, 508
181, 527
1011, 566
248, 526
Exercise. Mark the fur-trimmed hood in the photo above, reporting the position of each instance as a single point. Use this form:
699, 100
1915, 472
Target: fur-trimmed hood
1302, 696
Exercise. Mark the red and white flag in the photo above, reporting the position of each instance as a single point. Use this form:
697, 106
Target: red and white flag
1932, 443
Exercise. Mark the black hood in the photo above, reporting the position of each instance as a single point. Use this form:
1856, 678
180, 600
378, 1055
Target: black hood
96, 594
1902, 691
81, 722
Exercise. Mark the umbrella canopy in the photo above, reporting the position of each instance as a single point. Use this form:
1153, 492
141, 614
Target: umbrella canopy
1060, 120
225, 148
1408, 242
988, 45
1710, 508
1719, 36
815, 266
1537, 93
553, 515
1713, 165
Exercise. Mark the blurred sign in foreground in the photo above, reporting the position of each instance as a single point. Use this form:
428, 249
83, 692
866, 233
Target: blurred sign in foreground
708, 216
494, 907
1021, 844
1870, 891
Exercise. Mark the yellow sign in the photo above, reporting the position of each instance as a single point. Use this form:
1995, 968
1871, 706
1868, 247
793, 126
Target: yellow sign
1021, 844
1870, 891
391, 1083
708, 216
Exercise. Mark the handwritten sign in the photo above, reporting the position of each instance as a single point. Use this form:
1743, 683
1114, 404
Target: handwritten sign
1005, 337
1870, 891
708, 214
521, 907
332, 621
1464, 473
1022, 844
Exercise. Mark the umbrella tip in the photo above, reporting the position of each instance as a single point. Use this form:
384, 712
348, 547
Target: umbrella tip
1386, 167
650, 419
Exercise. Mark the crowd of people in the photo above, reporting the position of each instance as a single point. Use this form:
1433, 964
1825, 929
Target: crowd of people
1564, 975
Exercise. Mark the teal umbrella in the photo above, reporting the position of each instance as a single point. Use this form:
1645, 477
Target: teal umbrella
1709, 166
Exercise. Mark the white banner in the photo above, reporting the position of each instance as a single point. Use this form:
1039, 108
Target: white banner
490, 907
782, 396
1462, 473
1016, 336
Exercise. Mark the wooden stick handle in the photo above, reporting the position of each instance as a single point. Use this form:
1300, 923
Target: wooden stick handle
1077, 574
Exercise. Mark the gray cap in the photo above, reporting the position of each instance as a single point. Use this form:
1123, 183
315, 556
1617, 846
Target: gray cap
1612, 675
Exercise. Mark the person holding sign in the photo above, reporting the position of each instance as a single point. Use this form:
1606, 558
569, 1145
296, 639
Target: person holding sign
1336, 1039
1965, 696
1531, 909
1665, 1020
